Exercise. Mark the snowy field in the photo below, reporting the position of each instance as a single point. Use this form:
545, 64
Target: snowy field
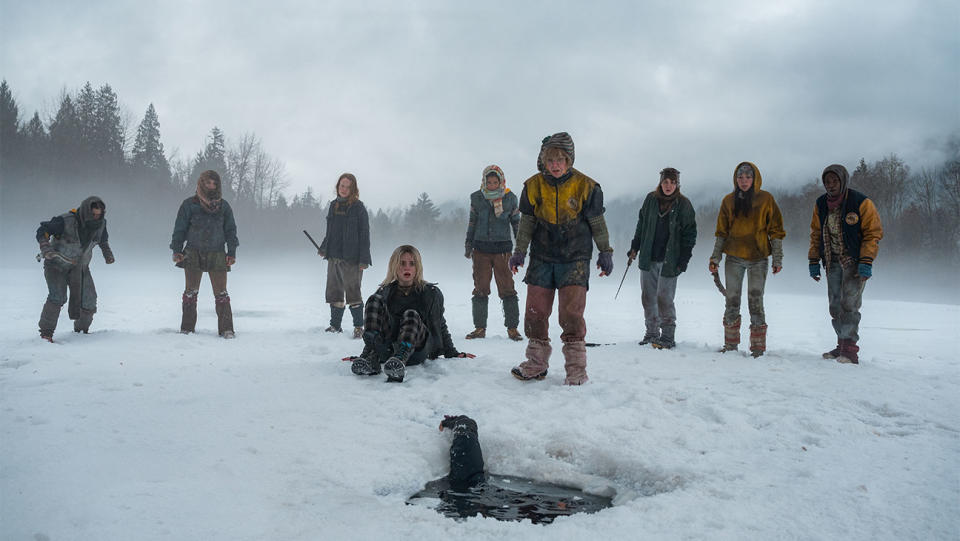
138, 432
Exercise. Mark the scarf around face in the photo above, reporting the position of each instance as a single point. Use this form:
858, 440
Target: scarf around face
666, 201
210, 200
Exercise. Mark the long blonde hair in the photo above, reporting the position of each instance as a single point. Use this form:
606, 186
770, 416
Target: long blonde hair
394, 266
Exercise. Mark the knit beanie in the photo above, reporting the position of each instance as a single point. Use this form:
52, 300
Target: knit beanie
561, 140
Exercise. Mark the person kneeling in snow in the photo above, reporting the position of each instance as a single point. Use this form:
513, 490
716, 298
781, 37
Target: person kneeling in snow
403, 321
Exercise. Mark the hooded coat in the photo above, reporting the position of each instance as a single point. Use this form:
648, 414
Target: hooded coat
748, 237
682, 227
203, 230
860, 223
74, 234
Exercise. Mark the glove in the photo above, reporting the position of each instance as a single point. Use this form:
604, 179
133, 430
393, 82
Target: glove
865, 270
605, 262
109, 259
815, 271
177, 257
467, 251
516, 260
682, 266
631, 255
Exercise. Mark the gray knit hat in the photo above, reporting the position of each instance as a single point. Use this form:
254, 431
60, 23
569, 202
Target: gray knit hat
561, 140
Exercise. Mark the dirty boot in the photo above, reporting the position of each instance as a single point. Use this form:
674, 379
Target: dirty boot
188, 323
395, 365
511, 315
336, 317
665, 340
82, 323
575, 362
849, 352
479, 309
514, 335
368, 362
649, 338
538, 359
758, 340
731, 336
833, 353
48, 320
356, 312
479, 332
224, 316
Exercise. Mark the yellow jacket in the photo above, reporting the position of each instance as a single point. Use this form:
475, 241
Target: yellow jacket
748, 237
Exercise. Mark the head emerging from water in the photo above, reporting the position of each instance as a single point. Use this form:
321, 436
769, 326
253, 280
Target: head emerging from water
405, 267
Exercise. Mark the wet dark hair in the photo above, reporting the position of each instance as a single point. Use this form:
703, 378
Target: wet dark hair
742, 202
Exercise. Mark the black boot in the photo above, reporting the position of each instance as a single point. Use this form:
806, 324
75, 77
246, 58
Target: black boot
368, 362
48, 320
336, 316
188, 322
395, 365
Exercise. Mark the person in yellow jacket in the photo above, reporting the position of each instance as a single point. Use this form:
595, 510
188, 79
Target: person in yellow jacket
749, 230
845, 234
561, 218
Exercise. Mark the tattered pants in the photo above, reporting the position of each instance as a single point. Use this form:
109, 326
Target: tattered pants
845, 293
756, 271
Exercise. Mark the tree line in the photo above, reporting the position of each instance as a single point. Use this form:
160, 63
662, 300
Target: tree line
91, 142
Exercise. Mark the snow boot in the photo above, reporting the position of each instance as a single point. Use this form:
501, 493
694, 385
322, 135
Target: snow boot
479, 332
357, 332
224, 316
511, 314
356, 312
395, 365
758, 340
336, 317
575, 362
514, 334
479, 309
833, 353
665, 340
368, 363
188, 322
48, 320
538, 359
849, 352
82, 323
731, 336
649, 338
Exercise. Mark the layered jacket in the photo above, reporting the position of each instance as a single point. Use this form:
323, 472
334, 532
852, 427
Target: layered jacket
204, 231
348, 233
562, 209
66, 236
487, 232
430, 308
682, 231
859, 224
748, 237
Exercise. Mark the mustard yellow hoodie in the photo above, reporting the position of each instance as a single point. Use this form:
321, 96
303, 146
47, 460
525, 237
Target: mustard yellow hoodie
748, 237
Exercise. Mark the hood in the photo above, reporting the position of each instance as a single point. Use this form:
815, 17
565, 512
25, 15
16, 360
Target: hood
757, 179
492, 169
85, 210
841, 172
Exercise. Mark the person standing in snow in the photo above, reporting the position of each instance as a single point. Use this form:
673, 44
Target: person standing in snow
66, 246
346, 246
663, 244
561, 217
845, 235
493, 214
749, 230
403, 321
205, 223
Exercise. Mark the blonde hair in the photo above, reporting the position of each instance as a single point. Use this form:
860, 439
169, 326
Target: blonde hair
554, 153
393, 267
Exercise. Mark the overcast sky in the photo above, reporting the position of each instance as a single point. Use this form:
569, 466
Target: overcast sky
421, 96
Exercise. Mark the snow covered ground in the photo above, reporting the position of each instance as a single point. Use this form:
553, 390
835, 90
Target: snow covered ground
138, 432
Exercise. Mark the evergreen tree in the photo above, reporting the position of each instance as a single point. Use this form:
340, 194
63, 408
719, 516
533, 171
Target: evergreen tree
423, 216
9, 125
65, 137
148, 157
36, 143
214, 156
108, 128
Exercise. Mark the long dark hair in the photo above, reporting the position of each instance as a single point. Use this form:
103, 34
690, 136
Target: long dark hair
742, 201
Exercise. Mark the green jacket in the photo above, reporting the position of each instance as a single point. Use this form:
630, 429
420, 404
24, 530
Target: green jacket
683, 234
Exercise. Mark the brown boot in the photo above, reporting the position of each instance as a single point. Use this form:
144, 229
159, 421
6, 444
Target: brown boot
849, 352
538, 359
514, 335
188, 322
479, 332
575, 362
731, 336
758, 340
224, 316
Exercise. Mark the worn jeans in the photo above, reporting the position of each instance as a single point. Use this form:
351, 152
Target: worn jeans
343, 281
657, 294
82, 295
756, 272
845, 293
